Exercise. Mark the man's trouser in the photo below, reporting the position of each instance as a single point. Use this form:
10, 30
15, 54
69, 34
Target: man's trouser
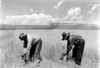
35, 49
78, 52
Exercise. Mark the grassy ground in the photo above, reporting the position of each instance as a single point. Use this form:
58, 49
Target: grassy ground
11, 49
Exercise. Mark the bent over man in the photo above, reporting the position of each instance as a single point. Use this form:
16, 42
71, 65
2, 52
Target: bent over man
32, 47
78, 49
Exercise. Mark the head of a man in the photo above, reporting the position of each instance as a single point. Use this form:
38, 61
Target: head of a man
22, 36
65, 35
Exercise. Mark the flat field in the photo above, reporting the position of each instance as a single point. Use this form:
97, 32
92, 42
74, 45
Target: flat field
11, 49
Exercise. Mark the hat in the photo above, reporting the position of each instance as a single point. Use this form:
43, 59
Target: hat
21, 35
64, 34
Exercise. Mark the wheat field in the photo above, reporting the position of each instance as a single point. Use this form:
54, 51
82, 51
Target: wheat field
11, 49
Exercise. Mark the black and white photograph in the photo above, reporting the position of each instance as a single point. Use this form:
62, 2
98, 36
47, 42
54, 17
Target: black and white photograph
49, 33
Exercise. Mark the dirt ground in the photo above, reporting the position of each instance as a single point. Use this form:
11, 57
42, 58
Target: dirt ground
11, 49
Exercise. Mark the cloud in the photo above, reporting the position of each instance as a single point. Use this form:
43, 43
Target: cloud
95, 22
42, 11
73, 14
0, 3
94, 7
38, 19
33, 19
59, 4
94, 15
31, 10
15, 19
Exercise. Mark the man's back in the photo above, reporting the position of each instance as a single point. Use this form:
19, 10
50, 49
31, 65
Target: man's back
75, 38
31, 37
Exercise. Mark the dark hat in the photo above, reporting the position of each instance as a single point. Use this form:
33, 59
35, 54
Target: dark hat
21, 36
65, 35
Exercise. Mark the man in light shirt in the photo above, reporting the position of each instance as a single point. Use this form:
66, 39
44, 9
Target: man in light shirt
32, 47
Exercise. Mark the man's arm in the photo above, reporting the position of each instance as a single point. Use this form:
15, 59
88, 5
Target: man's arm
69, 47
28, 47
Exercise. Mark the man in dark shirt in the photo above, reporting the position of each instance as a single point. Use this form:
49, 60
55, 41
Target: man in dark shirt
78, 49
32, 47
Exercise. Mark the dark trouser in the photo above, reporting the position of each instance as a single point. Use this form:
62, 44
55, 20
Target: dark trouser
78, 52
33, 52
35, 49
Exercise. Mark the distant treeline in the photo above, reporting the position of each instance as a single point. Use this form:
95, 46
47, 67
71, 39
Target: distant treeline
50, 26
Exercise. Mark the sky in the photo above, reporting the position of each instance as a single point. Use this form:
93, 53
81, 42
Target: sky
32, 12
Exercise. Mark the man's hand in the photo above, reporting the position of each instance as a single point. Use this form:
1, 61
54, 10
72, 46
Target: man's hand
63, 55
67, 53
23, 56
67, 56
